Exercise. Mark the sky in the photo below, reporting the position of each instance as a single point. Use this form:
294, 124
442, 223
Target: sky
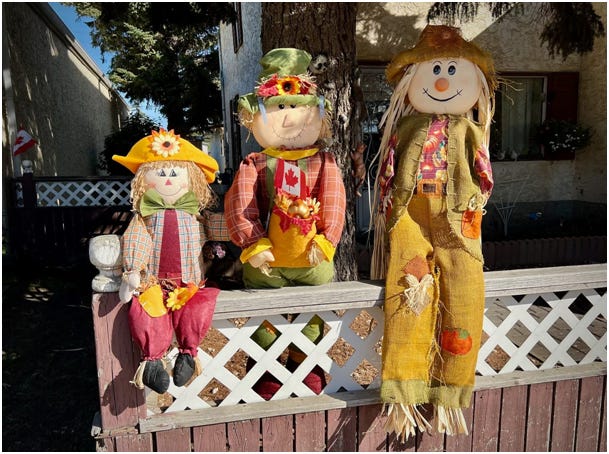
81, 32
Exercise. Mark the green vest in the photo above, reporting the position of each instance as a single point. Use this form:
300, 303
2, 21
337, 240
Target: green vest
464, 139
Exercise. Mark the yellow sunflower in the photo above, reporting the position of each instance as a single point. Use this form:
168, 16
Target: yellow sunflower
180, 296
165, 143
288, 86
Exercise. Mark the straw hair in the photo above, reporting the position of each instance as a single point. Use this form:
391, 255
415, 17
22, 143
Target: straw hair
196, 180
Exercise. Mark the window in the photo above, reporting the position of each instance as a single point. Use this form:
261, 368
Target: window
523, 104
519, 113
237, 28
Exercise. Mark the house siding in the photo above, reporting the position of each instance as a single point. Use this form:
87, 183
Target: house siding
239, 70
58, 94
591, 163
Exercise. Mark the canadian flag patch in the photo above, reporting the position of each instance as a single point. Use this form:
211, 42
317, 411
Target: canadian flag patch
291, 179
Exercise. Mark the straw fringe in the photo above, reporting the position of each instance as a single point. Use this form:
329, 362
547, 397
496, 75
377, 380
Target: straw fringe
450, 420
404, 420
378, 265
138, 378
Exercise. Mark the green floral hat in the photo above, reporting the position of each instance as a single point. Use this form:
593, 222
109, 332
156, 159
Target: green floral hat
283, 80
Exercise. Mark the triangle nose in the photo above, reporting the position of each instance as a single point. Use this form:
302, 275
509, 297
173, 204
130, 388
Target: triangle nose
168, 182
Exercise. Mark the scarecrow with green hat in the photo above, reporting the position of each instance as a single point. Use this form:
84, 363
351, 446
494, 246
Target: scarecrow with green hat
286, 205
433, 183
162, 255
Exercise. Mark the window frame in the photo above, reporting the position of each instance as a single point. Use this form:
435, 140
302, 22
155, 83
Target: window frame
561, 97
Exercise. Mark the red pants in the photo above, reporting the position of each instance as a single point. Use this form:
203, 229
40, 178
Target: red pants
190, 324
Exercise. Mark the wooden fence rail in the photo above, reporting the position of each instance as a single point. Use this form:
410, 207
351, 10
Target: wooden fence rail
542, 372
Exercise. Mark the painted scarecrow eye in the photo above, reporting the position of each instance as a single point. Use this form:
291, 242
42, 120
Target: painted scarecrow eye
293, 106
281, 106
437, 69
173, 173
452, 70
161, 173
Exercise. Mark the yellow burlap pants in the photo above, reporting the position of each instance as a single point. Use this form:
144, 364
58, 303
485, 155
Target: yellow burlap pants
430, 349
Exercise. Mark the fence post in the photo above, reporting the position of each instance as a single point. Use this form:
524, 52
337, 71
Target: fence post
27, 185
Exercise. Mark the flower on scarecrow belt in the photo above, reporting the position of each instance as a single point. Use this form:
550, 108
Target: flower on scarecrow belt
165, 143
180, 296
289, 85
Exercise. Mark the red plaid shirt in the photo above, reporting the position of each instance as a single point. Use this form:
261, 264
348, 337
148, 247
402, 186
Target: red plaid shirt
246, 205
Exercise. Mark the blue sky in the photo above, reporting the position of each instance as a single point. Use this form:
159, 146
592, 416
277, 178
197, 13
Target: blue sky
81, 32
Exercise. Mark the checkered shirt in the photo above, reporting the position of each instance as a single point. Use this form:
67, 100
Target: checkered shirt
142, 244
246, 204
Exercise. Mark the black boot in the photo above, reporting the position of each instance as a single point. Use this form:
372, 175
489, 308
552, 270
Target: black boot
155, 376
183, 369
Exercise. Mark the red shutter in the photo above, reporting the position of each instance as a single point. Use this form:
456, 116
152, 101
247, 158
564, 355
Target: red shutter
562, 96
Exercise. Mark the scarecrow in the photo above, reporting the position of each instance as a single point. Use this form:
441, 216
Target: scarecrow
162, 255
286, 205
433, 183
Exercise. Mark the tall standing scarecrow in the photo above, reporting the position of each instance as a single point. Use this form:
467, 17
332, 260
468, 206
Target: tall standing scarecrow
286, 205
434, 181
163, 257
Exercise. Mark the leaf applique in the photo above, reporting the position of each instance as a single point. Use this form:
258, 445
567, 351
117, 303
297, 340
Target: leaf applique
291, 179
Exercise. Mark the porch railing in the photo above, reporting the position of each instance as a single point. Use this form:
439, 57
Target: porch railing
540, 325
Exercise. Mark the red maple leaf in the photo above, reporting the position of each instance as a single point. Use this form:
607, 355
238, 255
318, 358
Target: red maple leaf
291, 179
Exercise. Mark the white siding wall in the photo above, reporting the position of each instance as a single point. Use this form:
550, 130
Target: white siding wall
240, 70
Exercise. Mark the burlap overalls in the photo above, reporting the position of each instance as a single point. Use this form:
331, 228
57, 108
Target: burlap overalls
434, 283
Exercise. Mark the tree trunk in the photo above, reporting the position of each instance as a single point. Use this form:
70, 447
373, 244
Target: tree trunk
328, 29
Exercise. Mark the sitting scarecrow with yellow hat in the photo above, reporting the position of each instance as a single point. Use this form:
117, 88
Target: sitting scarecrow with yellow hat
433, 182
286, 206
162, 255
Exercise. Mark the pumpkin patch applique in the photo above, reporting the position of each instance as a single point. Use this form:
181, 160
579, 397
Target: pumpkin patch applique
456, 341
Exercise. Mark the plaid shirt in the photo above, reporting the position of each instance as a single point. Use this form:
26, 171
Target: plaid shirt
246, 205
142, 244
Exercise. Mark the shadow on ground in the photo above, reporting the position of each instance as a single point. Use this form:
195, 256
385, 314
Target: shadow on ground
49, 380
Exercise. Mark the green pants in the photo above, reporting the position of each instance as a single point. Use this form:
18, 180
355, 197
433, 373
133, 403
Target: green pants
265, 335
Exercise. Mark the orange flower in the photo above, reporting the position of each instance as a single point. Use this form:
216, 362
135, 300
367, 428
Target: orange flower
180, 296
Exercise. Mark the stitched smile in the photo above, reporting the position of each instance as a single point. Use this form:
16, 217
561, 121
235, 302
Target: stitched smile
295, 135
442, 100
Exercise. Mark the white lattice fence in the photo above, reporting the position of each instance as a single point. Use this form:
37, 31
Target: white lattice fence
542, 331
363, 354
76, 193
560, 321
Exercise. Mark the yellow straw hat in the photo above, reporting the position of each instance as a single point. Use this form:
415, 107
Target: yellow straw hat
167, 146
441, 41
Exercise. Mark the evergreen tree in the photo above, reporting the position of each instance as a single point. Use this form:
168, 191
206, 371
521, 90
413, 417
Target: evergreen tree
165, 54
569, 28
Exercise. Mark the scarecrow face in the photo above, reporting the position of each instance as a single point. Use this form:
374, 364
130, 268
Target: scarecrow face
171, 182
444, 86
287, 126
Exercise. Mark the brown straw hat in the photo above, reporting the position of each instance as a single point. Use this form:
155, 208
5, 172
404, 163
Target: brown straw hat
441, 41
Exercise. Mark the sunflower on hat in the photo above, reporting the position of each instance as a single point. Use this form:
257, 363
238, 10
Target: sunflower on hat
284, 79
290, 85
165, 145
